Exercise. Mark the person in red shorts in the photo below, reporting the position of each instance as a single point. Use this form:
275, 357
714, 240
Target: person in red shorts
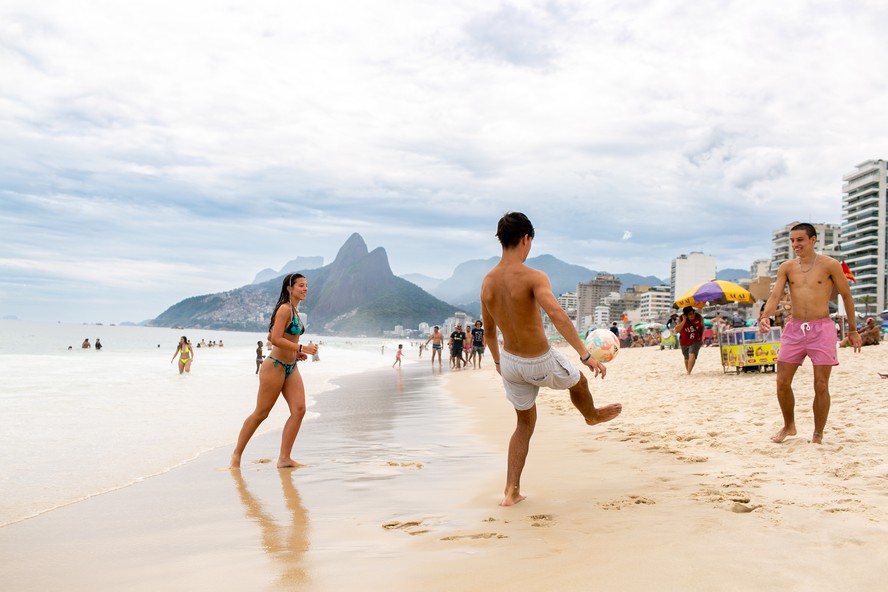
690, 336
811, 279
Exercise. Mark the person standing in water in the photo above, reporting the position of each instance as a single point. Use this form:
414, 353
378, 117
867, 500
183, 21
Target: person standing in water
260, 356
185, 353
279, 374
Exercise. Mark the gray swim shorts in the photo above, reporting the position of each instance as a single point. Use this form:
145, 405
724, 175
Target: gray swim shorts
523, 377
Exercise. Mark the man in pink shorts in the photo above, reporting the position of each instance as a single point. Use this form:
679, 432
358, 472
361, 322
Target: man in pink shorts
811, 279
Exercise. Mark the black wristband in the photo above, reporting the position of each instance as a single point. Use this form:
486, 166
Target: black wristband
586, 359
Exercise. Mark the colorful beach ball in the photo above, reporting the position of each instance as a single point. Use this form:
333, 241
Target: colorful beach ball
602, 344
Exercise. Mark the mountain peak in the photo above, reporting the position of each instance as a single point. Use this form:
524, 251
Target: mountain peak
352, 250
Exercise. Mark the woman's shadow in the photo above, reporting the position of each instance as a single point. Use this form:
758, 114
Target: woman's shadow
285, 543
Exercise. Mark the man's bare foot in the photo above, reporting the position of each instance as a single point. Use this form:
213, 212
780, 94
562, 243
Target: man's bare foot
817, 438
288, 463
783, 434
606, 413
235, 461
511, 500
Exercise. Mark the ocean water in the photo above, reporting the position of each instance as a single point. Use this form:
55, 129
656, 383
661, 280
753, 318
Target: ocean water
76, 423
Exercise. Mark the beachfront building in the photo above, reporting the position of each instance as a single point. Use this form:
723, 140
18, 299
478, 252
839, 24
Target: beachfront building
690, 270
759, 268
590, 295
828, 235
601, 316
865, 192
656, 304
568, 303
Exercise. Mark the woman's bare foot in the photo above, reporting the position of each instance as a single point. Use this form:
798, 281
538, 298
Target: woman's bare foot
235, 461
783, 434
288, 463
817, 438
606, 413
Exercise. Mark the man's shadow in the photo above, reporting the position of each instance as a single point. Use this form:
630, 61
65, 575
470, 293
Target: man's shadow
285, 543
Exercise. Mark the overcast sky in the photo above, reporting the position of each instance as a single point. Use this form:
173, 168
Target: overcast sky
152, 151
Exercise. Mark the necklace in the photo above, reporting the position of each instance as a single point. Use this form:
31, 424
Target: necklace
813, 263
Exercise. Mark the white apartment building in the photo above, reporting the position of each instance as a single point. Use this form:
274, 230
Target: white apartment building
828, 236
690, 270
568, 301
865, 192
656, 303
759, 268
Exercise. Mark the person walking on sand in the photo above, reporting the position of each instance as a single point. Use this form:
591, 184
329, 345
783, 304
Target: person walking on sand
398, 355
279, 374
690, 336
437, 339
512, 295
186, 355
812, 279
478, 344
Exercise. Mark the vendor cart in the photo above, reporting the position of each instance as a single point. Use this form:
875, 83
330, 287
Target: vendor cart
747, 349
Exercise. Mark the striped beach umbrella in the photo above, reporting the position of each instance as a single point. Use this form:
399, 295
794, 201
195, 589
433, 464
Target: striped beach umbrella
714, 292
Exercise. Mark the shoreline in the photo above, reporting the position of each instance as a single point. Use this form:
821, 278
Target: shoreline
406, 470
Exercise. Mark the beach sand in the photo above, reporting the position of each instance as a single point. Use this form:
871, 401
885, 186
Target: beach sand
684, 491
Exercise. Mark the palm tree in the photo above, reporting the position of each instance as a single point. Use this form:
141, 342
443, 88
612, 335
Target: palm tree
866, 300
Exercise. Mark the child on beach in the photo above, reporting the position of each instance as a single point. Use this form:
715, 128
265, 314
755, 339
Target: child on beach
398, 355
260, 356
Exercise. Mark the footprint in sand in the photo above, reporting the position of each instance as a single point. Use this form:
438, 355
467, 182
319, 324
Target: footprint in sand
739, 508
410, 527
627, 502
482, 535
541, 519
261, 461
412, 465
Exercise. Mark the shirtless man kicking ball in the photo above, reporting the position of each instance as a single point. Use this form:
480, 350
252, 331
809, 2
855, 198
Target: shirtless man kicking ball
511, 297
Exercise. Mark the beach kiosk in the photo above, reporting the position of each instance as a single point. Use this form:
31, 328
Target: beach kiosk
746, 349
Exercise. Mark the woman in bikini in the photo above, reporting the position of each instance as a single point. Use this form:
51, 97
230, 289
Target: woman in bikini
279, 374
185, 353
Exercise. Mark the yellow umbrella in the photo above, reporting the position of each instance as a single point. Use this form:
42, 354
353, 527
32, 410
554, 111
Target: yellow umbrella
714, 292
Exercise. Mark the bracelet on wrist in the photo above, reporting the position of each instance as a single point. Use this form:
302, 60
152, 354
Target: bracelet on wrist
300, 347
586, 359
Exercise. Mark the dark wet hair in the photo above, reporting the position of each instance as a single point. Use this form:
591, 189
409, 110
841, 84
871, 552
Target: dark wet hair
512, 227
289, 280
808, 228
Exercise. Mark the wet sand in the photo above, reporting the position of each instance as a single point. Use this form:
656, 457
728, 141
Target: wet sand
684, 491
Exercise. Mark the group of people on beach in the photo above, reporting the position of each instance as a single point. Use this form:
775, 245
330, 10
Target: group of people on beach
512, 298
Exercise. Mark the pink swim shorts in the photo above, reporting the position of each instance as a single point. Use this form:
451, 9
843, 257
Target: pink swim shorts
815, 339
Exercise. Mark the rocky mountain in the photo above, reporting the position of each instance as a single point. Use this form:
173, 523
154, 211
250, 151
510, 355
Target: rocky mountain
294, 265
463, 287
356, 294
732, 275
423, 281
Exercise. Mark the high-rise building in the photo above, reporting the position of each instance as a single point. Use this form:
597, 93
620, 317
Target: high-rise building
759, 268
590, 294
865, 192
828, 236
690, 270
656, 304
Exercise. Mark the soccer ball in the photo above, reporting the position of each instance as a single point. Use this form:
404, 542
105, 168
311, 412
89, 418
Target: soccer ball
602, 344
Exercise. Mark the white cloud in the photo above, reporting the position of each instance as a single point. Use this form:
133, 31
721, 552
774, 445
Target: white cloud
211, 140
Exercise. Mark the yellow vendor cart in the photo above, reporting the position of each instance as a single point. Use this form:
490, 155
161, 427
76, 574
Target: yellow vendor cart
746, 349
